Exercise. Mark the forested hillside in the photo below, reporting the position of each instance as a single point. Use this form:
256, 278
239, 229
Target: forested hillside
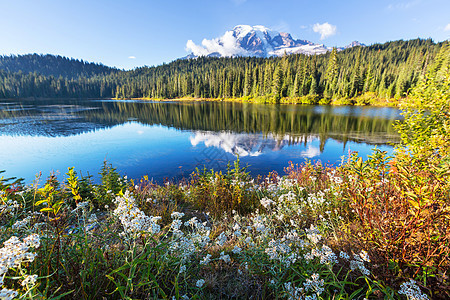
359, 74
51, 65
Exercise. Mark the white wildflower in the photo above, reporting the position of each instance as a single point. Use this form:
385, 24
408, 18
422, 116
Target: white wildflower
176, 225
221, 239
92, 218
200, 283
6, 294
344, 255
177, 215
30, 280
236, 250
364, 256
133, 220
308, 257
83, 206
314, 284
325, 254
206, 259
33, 240
293, 292
358, 263
192, 222
21, 224
412, 291
248, 240
266, 202
9, 207
13, 254
224, 257
182, 269
313, 234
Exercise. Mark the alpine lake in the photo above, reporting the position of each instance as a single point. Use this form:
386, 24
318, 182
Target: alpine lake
168, 140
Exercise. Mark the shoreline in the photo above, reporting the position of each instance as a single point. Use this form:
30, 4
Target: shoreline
338, 102
376, 102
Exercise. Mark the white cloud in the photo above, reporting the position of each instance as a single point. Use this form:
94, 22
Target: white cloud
132, 57
325, 30
225, 45
447, 28
236, 144
311, 152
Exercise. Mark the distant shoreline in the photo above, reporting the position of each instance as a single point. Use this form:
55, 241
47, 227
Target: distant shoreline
338, 102
258, 100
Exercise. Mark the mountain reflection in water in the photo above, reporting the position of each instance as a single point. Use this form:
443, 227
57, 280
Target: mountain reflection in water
248, 130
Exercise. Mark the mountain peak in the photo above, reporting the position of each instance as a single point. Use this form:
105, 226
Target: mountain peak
354, 44
258, 40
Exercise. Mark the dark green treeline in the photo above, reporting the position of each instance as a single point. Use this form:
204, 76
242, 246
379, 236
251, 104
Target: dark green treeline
379, 71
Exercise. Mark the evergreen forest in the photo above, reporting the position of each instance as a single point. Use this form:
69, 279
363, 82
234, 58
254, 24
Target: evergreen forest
380, 73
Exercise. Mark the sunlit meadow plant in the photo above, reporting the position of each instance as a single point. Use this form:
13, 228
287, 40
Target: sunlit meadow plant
401, 212
401, 203
217, 192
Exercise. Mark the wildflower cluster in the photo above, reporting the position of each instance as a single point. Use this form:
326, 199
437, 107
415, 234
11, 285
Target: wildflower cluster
8, 207
133, 220
412, 291
287, 243
185, 243
21, 224
13, 254
358, 262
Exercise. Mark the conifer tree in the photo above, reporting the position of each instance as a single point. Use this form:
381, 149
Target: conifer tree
277, 84
331, 76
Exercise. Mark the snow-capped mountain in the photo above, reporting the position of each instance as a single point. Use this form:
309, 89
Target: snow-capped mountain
352, 44
260, 41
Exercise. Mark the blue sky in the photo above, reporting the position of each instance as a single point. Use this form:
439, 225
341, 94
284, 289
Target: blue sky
128, 34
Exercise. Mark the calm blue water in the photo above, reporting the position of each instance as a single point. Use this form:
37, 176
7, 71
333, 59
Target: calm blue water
170, 139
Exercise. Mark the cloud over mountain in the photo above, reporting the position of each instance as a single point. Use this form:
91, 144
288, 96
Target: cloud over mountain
326, 30
260, 41
226, 45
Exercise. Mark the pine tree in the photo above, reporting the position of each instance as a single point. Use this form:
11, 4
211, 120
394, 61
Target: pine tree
332, 73
313, 88
247, 82
295, 88
277, 84
267, 79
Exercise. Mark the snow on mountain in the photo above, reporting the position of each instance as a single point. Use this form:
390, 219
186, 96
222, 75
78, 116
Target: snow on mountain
351, 45
260, 41
246, 144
